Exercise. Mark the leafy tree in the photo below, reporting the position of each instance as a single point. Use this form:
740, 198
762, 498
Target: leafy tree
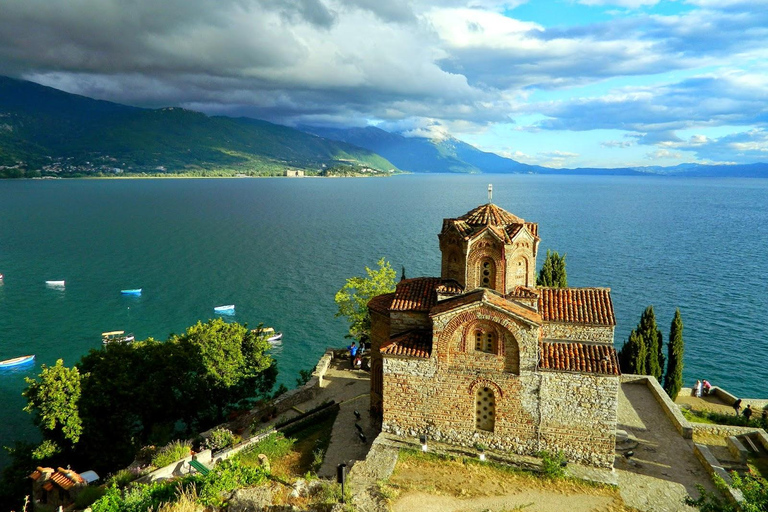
553, 272
54, 401
673, 380
653, 338
754, 489
633, 354
353, 297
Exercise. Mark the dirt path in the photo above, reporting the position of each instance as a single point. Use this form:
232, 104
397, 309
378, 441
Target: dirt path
663, 470
530, 501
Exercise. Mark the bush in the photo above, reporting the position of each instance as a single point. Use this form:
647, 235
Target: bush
171, 453
225, 477
123, 477
88, 495
553, 464
219, 439
273, 446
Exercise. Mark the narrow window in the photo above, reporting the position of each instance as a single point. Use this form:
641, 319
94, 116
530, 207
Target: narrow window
485, 409
487, 273
485, 341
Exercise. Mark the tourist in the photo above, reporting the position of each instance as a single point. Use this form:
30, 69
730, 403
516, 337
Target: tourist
352, 353
764, 416
737, 406
707, 386
748, 412
358, 362
697, 389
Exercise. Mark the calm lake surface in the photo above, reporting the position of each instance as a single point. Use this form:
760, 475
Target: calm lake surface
280, 248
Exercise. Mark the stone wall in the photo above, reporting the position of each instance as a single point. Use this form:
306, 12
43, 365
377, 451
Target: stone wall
672, 411
571, 332
578, 416
401, 321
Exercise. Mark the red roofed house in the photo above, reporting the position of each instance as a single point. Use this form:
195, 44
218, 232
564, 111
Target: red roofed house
481, 355
52, 489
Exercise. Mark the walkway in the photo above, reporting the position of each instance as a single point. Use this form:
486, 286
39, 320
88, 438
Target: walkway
663, 470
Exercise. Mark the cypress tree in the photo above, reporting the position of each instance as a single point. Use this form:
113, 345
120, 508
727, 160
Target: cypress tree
649, 330
673, 380
633, 355
553, 272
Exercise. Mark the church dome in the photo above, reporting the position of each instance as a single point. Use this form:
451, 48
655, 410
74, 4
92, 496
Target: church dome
490, 214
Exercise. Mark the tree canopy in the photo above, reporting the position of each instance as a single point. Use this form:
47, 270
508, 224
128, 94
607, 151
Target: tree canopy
53, 400
553, 272
673, 379
122, 397
353, 297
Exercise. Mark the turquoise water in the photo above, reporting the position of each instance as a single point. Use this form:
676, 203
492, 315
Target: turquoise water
280, 248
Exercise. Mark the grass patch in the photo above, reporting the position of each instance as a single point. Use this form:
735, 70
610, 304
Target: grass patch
697, 416
170, 453
88, 495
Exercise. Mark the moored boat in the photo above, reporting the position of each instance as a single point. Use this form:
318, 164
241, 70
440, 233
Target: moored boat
270, 334
55, 284
17, 361
116, 337
132, 291
228, 309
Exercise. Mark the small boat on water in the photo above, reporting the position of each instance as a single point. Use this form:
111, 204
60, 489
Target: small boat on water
133, 291
270, 334
16, 361
116, 337
226, 310
55, 284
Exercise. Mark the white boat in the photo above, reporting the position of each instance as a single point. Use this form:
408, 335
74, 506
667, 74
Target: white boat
16, 361
116, 337
132, 291
55, 284
270, 334
228, 309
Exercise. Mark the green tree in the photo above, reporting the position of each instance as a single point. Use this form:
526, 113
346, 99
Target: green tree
673, 379
53, 399
353, 297
553, 272
633, 355
653, 338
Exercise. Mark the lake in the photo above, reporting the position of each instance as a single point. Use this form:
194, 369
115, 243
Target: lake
280, 248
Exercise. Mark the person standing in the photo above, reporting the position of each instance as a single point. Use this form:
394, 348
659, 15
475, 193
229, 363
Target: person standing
697, 389
737, 406
352, 353
748, 412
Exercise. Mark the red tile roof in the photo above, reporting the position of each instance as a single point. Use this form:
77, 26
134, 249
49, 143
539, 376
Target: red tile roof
66, 479
489, 216
381, 303
417, 294
417, 343
523, 292
449, 287
577, 305
578, 357
490, 297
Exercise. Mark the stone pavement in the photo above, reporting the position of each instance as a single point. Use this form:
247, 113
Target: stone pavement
663, 470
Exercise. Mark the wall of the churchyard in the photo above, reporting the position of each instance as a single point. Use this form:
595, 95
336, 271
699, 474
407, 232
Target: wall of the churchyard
401, 321
571, 332
578, 416
419, 399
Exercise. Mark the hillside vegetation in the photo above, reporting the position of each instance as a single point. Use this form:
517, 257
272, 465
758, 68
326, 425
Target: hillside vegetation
44, 131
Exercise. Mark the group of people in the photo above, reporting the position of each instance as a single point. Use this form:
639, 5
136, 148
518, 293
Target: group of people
701, 387
356, 355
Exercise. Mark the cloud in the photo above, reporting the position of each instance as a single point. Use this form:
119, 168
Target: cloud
662, 154
627, 4
616, 144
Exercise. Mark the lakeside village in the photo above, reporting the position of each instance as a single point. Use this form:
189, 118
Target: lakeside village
487, 388
105, 166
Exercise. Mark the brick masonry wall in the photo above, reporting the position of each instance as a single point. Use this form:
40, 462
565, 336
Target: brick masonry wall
401, 321
593, 333
578, 416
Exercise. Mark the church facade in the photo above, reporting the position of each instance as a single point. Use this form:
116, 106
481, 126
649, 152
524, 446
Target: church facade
481, 356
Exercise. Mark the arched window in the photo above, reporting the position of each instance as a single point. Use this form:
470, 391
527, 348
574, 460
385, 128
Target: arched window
487, 273
485, 340
485, 409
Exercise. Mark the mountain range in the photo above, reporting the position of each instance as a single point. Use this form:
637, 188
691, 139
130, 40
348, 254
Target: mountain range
45, 131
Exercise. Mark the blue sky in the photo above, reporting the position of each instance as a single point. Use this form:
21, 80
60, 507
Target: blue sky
562, 83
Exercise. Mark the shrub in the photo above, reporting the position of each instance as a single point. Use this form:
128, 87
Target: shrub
171, 453
88, 495
225, 477
273, 446
220, 438
553, 464
123, 477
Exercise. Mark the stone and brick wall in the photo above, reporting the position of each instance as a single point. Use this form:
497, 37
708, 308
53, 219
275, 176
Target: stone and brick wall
577, 332
578, 416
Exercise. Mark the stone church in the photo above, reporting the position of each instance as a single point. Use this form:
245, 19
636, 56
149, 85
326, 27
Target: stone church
480, 355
